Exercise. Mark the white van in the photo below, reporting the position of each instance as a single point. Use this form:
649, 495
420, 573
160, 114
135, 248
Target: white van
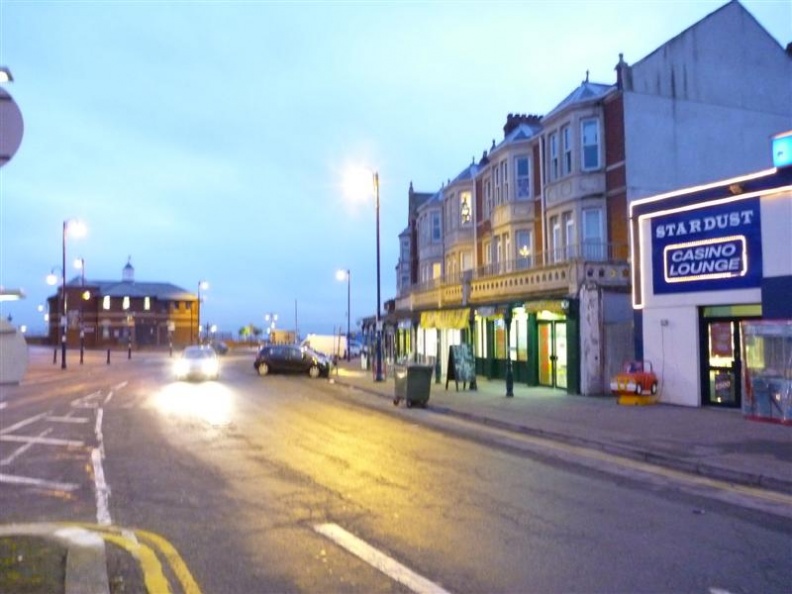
327, 344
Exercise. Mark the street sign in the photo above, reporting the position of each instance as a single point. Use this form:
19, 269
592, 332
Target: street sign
11, 127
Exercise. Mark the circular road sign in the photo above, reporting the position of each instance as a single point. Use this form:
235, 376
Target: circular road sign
11, 127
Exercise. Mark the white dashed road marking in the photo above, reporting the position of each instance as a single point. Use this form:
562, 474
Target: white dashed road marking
23, 480
379, 560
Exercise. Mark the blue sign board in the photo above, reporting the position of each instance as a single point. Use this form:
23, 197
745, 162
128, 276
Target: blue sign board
708, 248
782, 150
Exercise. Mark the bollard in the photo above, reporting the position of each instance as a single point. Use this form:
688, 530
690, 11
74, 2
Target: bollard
129, 352
108, 356
55, 355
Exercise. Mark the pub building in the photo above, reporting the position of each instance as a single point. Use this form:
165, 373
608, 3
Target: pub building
712, 290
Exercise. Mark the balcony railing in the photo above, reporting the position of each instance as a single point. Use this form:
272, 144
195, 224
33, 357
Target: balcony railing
556, 272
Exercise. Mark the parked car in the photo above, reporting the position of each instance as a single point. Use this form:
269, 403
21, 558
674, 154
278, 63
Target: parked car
280, 358
220, 347
197, 362
355, 348
636, 377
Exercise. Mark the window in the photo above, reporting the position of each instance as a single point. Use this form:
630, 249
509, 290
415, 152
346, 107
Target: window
125, 304
487, 253
589, 133
524, 238
465, 209
553, 156
569, 232
147, 303
437, 270
566, 142
523, 168
436, 227
505, 179
106, 302
497, 185
487, 198
555, 238
465, 261
593, 241
497, 256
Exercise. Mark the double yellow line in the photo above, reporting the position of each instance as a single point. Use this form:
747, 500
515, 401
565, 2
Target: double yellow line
148, 548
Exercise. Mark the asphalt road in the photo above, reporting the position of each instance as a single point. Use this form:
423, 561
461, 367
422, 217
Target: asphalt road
286, 484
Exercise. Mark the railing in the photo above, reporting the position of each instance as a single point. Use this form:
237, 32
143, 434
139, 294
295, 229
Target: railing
558, 271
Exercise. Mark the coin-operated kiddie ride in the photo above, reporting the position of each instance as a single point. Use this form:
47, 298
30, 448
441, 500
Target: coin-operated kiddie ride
635, 384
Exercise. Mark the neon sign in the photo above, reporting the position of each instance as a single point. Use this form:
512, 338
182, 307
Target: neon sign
714, 246
707, 259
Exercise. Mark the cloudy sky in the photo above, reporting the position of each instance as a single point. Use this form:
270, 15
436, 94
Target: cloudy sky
208, 140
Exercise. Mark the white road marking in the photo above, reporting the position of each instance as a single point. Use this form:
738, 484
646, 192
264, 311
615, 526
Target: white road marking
22, 449
23, 423
85, 401
23, 480
98, 430
3, 405
102, 490
393, 569
42, 440
66, 419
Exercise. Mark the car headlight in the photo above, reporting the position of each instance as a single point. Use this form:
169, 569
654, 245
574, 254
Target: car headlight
210, 367
180, 367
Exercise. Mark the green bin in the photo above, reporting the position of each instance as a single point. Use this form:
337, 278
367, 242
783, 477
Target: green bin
412, 384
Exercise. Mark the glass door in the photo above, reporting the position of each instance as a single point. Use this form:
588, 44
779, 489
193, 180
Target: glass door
552, 353
560, 348
545, 353
722, 385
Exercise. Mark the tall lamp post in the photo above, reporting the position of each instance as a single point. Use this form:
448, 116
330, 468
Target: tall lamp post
378, 377
345, 275
78, 230
202, 285
80, 263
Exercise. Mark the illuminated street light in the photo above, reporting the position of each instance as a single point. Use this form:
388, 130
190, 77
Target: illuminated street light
353, 182
202, 285
342, 275
5, 75
77, 229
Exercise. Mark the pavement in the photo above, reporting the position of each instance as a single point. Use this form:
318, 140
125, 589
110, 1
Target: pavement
716, 443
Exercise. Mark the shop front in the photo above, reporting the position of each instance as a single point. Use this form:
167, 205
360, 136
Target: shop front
538, 338
709, 265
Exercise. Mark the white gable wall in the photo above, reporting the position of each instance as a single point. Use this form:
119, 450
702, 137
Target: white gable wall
704, 106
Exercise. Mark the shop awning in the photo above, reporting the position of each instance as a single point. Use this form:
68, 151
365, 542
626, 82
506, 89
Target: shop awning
554, 306
447, 319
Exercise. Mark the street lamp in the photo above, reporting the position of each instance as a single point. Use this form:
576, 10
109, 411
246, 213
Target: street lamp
79, 263
201, 285
5, 75
77, 229
378, 377
353, 182
345, 275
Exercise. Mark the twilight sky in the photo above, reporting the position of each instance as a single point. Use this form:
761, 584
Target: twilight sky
208, 140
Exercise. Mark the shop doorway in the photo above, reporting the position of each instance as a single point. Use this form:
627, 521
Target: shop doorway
723, 365
721, 354
552, 353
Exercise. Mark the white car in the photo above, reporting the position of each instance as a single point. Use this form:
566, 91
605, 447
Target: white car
197, 362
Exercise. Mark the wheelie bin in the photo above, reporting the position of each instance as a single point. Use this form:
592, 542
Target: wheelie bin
412, 384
